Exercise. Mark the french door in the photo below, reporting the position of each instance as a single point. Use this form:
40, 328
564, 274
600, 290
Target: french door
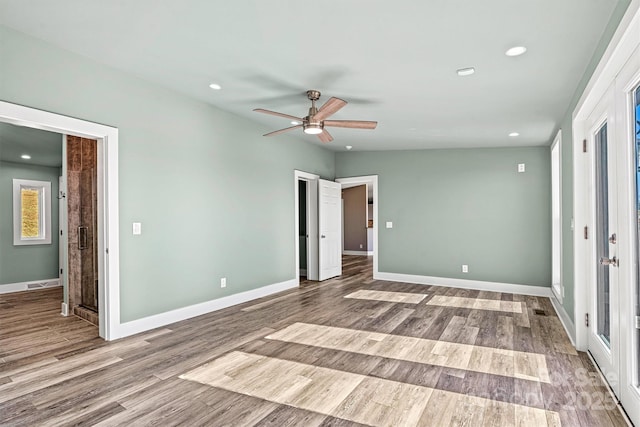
604, 337
613, 146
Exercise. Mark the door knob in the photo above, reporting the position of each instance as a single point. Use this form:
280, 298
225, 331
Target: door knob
322, 236
609, 261
613, 239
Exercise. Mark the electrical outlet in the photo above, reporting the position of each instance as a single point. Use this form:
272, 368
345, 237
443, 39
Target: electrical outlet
137, 228
361, 246
223, 282
465, 268
521, 167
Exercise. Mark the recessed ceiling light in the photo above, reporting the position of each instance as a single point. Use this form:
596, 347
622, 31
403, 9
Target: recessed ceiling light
25, 156
466, 71
295, 123
215, 86
516, 51
348, 147
514, 134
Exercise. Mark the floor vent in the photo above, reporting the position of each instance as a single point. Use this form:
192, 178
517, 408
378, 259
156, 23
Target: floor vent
539, 312
35, 285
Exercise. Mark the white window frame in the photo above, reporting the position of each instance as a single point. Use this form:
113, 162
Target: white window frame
44, 192
557, 285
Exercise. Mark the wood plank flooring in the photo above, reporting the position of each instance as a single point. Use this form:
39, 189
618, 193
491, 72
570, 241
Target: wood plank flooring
313, 356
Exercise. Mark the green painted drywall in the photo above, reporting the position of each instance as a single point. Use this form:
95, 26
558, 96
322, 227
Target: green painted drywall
214, 197
567, 161
468, 206
29, 262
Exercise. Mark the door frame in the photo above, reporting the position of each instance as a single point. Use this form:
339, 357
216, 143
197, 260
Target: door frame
108, 217
312, 224
373, 181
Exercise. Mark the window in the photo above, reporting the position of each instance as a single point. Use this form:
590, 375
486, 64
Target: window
556, 217
31, 212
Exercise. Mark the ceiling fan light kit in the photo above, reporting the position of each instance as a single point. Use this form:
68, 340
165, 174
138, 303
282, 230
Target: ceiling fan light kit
314, 122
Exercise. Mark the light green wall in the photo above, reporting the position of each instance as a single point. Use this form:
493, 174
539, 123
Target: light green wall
215, 198
454, 207
567, 161
29, 262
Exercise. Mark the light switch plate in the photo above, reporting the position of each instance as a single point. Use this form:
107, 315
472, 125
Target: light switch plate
137, 228
389, 224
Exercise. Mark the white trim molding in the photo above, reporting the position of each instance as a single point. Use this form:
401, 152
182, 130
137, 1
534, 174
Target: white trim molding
361, 253
33, 285
158, 320
538, 291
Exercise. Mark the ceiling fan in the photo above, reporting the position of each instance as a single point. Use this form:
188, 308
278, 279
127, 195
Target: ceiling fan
315, 122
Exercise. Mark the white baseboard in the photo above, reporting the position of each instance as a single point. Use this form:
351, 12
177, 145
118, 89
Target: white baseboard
29, 286
64, 309
158, 320
361, 253
566, 321
538, 291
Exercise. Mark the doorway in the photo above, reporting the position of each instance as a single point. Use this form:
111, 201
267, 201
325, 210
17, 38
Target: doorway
306, 225
369, 184
107, 201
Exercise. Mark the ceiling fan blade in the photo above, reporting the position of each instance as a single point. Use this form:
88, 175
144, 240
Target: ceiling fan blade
357, 124
325, 136
275, 113
329, 108
278, 132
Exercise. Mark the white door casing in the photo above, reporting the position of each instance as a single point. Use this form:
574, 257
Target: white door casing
330, 229
556, 217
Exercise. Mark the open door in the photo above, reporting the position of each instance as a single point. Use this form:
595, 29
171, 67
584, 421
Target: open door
312, 227
330, 229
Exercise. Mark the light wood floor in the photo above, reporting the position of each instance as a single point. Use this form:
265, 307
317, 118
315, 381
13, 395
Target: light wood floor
348, 351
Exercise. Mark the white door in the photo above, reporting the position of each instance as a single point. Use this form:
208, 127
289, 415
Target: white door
604, 342
628, 140
330, 229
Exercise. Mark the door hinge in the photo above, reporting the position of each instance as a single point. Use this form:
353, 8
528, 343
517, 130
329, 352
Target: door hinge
584, 145
586, 232
61, 232
637, 322
586, 320
60, 271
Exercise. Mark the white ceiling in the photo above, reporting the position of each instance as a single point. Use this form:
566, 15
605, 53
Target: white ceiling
398, 59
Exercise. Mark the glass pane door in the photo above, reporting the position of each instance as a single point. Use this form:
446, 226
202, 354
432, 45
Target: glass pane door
602, 237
